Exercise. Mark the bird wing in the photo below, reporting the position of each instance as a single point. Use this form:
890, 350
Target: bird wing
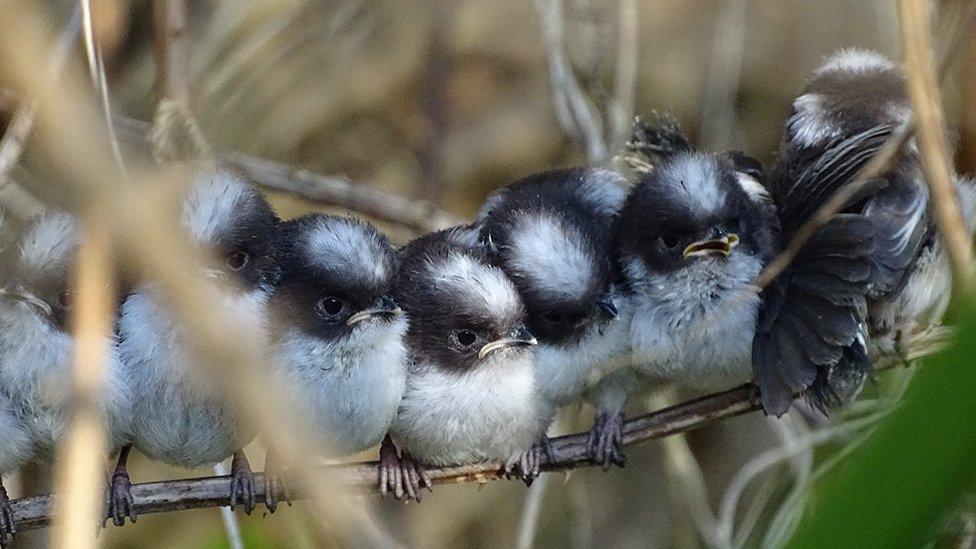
812, 181
812, 317
899, 214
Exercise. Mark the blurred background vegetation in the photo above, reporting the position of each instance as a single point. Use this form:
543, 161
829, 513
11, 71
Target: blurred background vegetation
446, 101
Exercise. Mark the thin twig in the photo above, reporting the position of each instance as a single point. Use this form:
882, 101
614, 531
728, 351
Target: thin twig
172, 50
879, 164
96, 69
331, 190
923, 89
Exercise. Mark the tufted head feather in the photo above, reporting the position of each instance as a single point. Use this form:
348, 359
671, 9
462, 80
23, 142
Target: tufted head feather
340, 259
853, 90
446, 287
223, 212
689, 198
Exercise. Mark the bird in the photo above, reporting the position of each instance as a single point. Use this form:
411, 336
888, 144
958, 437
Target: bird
551, 233
179, 420
338, 342
694, 231
470, 394
850, 107
37, 351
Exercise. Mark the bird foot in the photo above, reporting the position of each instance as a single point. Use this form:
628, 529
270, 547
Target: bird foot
275, 484
120, 499
414, 477
8, 529
241, 483
390, 477
530, 463
606, 440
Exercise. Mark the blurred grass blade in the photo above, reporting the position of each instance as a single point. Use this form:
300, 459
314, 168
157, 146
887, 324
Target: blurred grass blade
894, 490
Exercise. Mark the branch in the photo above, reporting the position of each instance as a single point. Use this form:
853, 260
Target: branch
568, 451
416, 215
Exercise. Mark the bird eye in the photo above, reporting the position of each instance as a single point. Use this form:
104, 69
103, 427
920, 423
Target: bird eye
465, 338
238, 260
64, 299
553, 318
733, 225
329, 307
669, 239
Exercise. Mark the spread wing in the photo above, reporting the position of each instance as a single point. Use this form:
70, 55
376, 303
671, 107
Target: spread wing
811, 332
812, 319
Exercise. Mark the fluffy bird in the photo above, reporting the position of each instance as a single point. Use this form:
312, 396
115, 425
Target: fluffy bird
552, 235
179, 420
693, 233
849, 108
470, 393
339, 343
36, 351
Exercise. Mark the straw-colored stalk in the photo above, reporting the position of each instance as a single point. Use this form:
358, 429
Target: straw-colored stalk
80, 473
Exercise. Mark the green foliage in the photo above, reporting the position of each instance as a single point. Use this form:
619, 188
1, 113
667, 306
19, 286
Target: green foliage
894, 490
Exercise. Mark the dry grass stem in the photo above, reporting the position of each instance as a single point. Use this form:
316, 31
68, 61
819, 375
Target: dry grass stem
923, 89
80, 480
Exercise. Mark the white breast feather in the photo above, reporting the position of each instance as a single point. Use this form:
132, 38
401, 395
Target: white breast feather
178, 419
696, 327
350, 390
486, 413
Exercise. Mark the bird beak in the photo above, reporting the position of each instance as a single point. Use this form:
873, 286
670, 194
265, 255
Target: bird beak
18, 293
717, 246
518, 337
384, 307
607, 307
215, 274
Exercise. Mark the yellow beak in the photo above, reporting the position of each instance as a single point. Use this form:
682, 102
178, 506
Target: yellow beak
718, 246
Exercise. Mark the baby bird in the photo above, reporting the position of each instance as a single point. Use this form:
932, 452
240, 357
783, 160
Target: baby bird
339, 345
850, 106
552, 235
470, 393
178, 420
36, 351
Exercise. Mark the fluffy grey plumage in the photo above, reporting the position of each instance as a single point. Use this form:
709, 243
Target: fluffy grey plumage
470, 393
339, 340
179, 420
36, 350
551, 234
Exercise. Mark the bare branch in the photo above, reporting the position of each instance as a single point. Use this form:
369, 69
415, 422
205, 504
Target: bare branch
332, 190
923, 89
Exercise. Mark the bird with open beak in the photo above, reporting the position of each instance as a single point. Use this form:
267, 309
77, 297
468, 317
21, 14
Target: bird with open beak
182, 420
693, 233
551, 234
470, 393
37, 351
338, 343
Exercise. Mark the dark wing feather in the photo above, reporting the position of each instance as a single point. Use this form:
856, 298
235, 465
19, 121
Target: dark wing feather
832, 168
812, 314
901, 220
